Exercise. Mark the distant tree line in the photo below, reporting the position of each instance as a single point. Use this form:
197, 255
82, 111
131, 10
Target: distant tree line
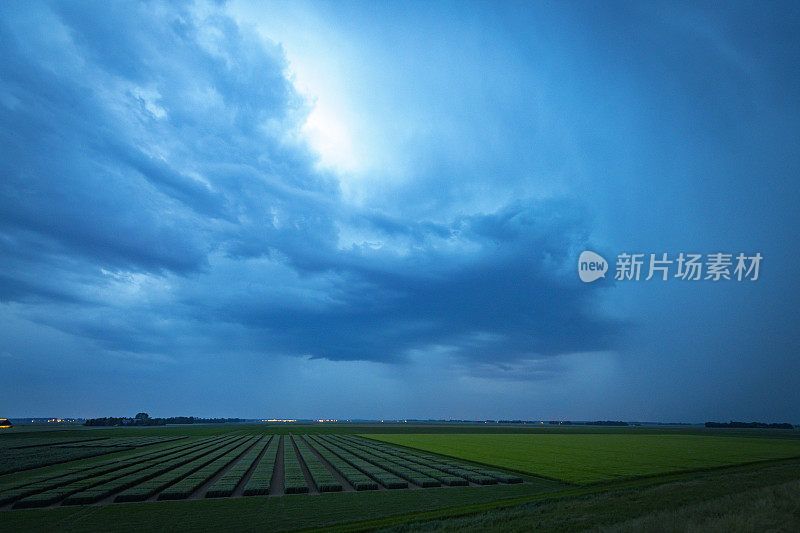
755, 425
143, 419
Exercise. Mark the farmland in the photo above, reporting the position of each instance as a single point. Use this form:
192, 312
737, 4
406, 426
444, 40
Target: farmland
257, 476
239, 463
586, 458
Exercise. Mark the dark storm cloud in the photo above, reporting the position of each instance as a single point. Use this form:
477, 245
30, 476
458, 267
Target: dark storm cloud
155, 198
501, 294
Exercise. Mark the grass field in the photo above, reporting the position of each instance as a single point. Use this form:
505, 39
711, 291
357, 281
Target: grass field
583, 458
239, 477
765, 499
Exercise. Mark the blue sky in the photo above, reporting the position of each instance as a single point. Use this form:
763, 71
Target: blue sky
374, 210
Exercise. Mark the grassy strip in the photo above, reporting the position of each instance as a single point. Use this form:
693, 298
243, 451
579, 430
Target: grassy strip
772, 508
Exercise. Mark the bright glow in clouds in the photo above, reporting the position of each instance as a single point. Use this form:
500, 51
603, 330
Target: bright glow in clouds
315, 67
328, 134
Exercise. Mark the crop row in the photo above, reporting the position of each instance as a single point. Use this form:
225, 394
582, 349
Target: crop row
100, 467
322, 477
293, 479
186, 486
476, 474
177, 469
81, 469
455, 469
391, 465
134, 442
424, 476
494, 474
442, 476
18, 443
97, 487
75, 473
225, 485
387, 479
117, 479
37, 457
353, 475
261, 478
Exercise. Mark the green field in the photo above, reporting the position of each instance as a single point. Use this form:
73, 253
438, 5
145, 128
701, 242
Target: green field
586, 458
233, 464
242, 477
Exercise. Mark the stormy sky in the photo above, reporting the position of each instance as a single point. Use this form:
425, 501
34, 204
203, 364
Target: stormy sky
375, 210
